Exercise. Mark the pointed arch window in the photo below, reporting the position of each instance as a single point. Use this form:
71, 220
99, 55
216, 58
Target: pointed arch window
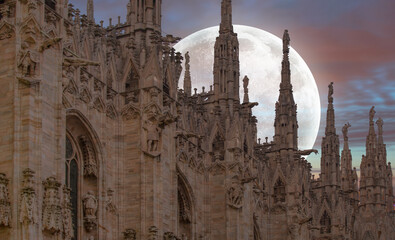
279, 191
325, 223
72, 181
185, 209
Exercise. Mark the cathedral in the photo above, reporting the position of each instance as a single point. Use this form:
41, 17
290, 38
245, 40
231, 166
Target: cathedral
99, 143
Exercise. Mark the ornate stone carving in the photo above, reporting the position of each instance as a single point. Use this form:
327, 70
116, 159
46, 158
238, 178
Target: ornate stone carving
5, 205
52, 210
6, 31
129, 234
27, 62
185, 211
67, 215
90, 208
153, 233
169, 236
235, 193
89, 156
28, 208
110, 206
153, 135
345, 131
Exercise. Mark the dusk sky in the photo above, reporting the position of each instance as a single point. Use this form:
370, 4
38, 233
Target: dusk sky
349, 43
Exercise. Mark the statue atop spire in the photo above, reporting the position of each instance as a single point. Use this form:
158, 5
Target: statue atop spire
286, 123
330, 93
345, 131
372, 112
286, 42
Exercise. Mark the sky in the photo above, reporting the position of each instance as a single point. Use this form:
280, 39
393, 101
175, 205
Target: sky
345, 42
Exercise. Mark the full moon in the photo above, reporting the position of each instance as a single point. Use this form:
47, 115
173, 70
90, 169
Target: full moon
260, 60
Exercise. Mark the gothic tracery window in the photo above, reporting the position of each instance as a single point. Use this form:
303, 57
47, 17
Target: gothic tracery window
72, 181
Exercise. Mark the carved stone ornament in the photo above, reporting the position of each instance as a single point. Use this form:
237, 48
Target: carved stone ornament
153, 136
28, 209
235, 193
169, 236
90, 208
27, 63
6, 31
67, 215
52, 209
5, 205
153, 233
90, 164
110, 206
129, 234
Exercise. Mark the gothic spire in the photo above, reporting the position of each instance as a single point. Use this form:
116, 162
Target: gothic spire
330, 159
226, 61
90, 11
226, 16
286, 124
371, 139
346, 160
330, 116
286, 70
187, 77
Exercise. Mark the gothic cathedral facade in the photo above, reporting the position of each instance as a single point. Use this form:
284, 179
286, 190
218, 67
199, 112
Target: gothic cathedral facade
98, 142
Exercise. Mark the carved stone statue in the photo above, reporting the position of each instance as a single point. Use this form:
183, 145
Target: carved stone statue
371, 114
27, 62
153, 134
52, 210
27, 214
90, 208
5, 206
330, 93
245, 86
110, 206
235, 195
345, 131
